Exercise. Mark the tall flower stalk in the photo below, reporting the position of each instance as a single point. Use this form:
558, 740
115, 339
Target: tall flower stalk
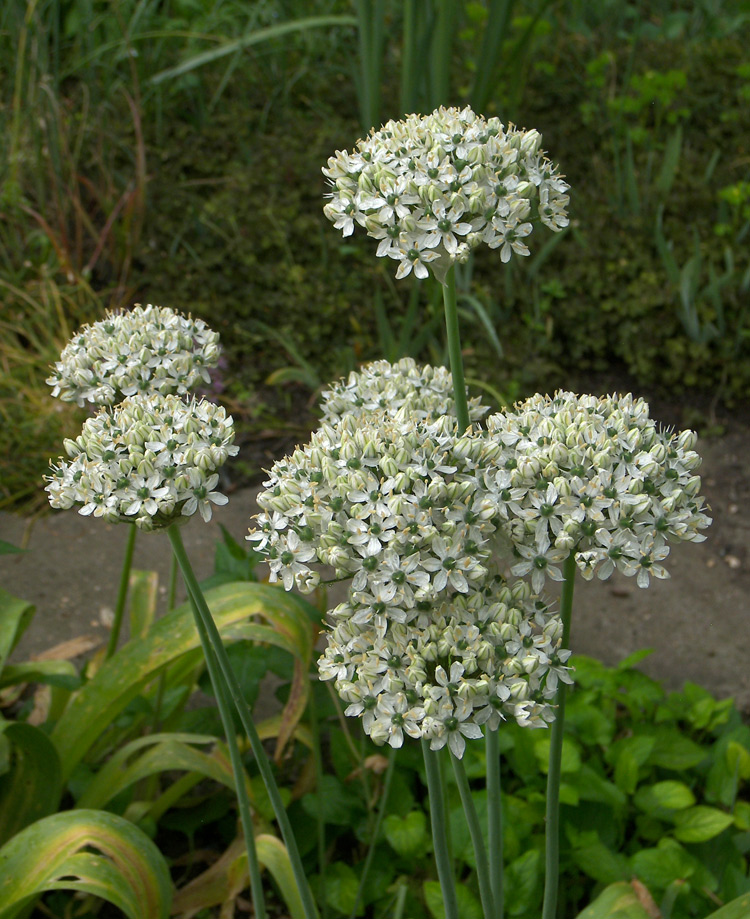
151, 461
591, 485
146, 349
430, 189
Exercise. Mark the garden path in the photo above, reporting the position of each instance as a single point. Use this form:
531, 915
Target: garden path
698, 622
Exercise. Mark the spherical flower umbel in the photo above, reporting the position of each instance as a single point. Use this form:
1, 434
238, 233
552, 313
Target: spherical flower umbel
431, 188
393, 502
148, 461
597, 477
455, 665
425, 392
147, 349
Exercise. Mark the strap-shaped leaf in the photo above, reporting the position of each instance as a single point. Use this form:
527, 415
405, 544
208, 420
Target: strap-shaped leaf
143, 599
30, 788
85, 850
158, 753
227, 878
54, 673
735, 909
235, 608
15, 615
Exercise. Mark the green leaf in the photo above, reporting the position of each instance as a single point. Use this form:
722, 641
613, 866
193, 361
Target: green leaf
700, 823
236, 609
670, 163
599, 861
738, 759
589, 722
53, 672
251, 38
31, 786
7, 548
54, 853
742, 815
15, 616
155, 754
618, 901
333, 801
406, 835
673, 750
468, 905
628, 756
669, 795
232, 561
593, 787
522, 883
341, 888
737, 909
667, 862
570, 760
142, 601
228, 877
635, 658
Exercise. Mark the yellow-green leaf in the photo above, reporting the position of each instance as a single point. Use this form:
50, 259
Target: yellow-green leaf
736, 909
31, 786
618, 900
228, 877
94, 851
158, 753
15, 615
236, 609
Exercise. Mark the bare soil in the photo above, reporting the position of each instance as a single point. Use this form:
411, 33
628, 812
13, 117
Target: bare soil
698, 622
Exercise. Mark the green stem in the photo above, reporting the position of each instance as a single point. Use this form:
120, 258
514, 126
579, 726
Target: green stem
225, 711
233, 687
319, 818
409, 71
375, 830
477, 840
398, 909
552, 851
439, 826
495, 814
122, 594
454, 349
171, 599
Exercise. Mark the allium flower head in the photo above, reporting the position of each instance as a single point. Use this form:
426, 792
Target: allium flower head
425, 392
394, 502
431, 188
147, 461
148, 349
460, 662
596, 476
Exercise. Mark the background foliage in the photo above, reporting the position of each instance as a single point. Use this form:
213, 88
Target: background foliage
169, 151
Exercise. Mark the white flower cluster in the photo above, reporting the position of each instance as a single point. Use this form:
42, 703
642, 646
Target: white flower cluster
467, 660
147, 461
431, 188
594, 476
148, 349
425, 392
396, 503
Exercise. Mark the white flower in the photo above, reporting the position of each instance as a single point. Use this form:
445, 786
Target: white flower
594, 476
203, 494
430, 188
449, 667
115, 473
147, 349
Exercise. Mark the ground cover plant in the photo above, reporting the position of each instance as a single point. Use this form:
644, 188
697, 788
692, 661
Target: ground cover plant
443, 526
